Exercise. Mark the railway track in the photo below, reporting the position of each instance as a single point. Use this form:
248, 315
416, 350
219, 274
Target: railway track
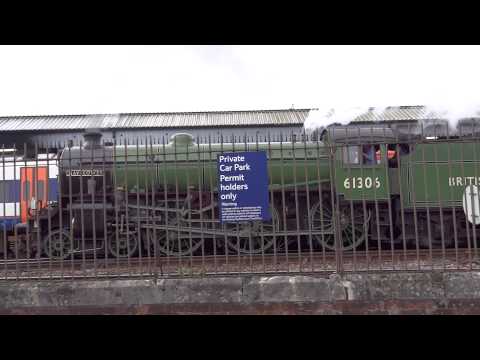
291, 254
303, 262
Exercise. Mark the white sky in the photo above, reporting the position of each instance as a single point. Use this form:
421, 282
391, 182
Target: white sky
36, 80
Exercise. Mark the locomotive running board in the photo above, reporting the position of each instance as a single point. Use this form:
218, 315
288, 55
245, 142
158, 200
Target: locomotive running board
173, 210
219, 232
89, 250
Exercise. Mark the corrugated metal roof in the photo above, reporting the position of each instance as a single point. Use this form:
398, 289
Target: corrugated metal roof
398, 113
155, 120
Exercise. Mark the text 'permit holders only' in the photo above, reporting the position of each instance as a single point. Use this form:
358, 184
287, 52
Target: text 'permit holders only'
243, 186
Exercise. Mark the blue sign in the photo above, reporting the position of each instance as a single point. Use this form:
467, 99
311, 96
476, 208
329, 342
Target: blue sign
243, 186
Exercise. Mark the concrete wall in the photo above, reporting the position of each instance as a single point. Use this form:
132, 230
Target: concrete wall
399, 293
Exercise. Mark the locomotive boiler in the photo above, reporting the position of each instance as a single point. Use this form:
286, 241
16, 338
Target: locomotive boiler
163, 197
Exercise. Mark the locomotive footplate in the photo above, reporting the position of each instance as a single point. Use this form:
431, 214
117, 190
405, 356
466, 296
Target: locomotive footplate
199, 232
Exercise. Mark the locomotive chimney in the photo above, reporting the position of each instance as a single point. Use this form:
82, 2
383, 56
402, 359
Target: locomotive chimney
92, 138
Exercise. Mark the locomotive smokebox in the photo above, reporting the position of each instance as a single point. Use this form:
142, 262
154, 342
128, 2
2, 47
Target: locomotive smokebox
86, 183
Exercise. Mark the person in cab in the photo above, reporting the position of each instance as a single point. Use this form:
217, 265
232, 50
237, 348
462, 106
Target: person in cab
391, 156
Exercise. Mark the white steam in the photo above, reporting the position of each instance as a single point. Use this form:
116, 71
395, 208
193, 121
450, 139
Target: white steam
452, 112
341, 115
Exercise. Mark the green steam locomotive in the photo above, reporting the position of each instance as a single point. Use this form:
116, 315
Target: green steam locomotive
342, 187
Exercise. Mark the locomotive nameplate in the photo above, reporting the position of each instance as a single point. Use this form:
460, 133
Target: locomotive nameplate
84, 172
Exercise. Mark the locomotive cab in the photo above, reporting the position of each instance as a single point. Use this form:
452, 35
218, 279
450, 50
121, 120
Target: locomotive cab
362, 160
366, 161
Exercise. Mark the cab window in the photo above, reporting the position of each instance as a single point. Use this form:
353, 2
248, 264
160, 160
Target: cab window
350, 155
364, 154
369, 154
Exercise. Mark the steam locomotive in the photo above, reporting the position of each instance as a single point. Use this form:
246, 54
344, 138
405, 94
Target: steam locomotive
345, 187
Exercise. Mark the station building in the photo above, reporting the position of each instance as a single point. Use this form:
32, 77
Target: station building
56, 131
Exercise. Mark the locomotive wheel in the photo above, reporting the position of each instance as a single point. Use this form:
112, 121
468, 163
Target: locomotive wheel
174, 242
125, 246
249, 235
58, 245
352, 233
